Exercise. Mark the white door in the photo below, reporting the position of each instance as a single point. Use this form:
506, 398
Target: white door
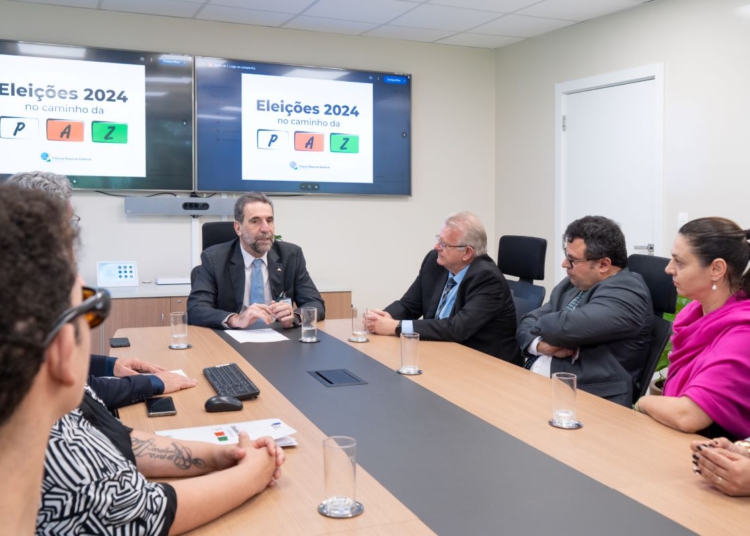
610, 155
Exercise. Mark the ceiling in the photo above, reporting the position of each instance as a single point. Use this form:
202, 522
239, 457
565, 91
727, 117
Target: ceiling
470, 23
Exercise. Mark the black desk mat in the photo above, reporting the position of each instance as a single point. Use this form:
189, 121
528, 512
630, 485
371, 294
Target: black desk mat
457, 473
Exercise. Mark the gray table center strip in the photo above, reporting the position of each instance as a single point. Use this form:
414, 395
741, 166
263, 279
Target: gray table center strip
457, 473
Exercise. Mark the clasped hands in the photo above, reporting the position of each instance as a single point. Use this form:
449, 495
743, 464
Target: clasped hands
380, 323
281, 311
263, 451
723, 464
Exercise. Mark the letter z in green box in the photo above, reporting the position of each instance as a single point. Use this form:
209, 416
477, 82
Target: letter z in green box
106, 132
344, 143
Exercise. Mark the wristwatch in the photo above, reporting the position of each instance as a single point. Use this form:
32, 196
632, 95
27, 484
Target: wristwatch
398, 329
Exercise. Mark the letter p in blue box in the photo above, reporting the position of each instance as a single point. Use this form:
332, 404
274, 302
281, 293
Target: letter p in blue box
19, 128
272, 139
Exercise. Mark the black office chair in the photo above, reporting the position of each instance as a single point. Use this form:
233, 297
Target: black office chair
218, 232
664, 298
523, 257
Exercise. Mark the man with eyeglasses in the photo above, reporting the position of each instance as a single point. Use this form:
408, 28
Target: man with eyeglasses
44, 342
597, 323
460, 295
118, 382
253, 279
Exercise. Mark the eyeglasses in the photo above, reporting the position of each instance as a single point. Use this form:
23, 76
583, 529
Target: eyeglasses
95, 306
573, 261
75, 220
443, 245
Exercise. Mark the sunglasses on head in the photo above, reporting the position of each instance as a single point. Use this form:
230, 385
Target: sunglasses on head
95, 307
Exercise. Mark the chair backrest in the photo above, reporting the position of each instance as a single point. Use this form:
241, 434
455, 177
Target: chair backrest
661, 330
659, 283
522, 256
526, 297
664, 299
218, 232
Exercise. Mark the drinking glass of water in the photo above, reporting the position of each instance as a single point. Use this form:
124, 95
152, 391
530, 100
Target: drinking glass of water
309, 320
564, 401
409, 354
179, 326
340, 478
359, 333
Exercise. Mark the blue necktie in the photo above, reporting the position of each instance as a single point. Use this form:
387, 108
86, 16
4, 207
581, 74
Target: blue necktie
444, 298
576, 300
257, 288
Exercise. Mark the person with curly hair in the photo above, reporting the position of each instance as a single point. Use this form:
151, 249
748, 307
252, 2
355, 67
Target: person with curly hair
44, 342
117, 382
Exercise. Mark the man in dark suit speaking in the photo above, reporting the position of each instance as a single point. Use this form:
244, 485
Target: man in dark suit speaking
460, 295
252, 278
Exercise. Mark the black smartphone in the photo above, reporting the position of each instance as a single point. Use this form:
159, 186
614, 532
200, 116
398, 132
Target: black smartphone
119, 342
160, 406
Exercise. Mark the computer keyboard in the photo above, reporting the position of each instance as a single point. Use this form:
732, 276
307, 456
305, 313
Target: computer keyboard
229, 380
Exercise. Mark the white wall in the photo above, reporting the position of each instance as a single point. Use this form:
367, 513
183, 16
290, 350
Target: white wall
704, 45
372, 246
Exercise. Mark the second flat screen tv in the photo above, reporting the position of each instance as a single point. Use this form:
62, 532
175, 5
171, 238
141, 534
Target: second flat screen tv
291, 129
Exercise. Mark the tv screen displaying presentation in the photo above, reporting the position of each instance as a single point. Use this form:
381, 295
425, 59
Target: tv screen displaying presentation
293, 129
108, 119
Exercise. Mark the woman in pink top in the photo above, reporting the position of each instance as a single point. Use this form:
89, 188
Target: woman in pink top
708, 383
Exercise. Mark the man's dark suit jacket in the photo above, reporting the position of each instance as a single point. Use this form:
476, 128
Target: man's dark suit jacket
219, 287
611, 327
483, 316
117, 392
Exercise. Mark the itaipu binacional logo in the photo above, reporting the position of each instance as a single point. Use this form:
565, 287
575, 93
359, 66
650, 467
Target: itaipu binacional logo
293, 164
45, 157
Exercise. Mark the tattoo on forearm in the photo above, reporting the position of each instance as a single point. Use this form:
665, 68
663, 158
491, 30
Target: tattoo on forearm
180, 455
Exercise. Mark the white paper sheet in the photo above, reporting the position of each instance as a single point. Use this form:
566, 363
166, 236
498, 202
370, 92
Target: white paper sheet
256, 335
228, 434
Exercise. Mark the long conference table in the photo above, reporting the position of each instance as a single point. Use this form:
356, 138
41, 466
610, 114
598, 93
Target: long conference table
464, 448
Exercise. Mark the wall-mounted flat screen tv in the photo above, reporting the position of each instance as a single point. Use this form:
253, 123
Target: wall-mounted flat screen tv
293, 129
108, 119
